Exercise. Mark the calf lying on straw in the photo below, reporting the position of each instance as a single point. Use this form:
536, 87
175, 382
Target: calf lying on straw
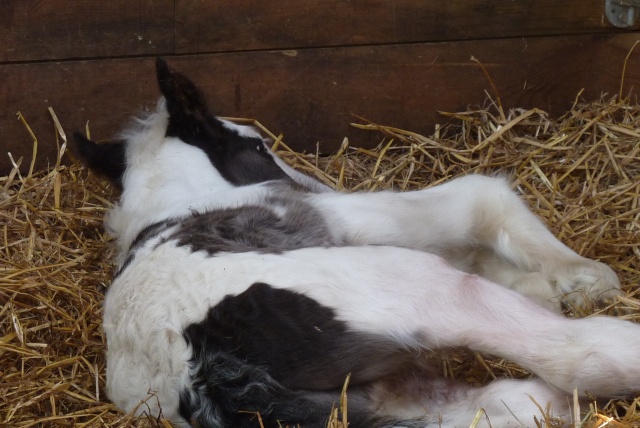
244, 287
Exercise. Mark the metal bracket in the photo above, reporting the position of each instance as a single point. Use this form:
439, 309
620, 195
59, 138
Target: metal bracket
622, 13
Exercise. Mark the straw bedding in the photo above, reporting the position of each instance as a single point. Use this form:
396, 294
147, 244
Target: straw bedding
580, 173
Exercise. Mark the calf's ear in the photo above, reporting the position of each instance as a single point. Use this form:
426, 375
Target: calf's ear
107, 159
189, 114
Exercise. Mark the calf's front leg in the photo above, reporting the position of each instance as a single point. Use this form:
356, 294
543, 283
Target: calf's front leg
461, 216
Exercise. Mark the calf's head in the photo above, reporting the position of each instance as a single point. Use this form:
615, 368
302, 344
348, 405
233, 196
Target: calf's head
182, 123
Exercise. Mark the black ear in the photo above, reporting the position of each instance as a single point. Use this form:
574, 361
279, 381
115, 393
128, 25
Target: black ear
107, 159
188, 111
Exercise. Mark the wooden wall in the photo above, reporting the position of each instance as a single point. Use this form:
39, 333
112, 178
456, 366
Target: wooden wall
302, 67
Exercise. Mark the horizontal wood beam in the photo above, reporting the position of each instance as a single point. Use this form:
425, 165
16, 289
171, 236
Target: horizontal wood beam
33, 30
311, 95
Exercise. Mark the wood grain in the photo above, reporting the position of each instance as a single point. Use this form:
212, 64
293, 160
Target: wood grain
59, 29
311, 95
216, 26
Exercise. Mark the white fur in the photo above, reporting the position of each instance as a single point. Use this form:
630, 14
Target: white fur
391, 280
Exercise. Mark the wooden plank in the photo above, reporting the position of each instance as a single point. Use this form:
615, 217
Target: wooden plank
57, 29
311, 94
228, 25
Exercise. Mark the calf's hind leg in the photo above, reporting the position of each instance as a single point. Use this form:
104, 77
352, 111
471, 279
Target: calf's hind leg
421, 302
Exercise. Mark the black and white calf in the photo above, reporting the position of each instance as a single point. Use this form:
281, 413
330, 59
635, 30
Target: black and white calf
245, 287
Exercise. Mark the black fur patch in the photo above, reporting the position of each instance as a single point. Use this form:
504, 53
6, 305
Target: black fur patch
229, 392
240, 160
292, 357
255, 228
